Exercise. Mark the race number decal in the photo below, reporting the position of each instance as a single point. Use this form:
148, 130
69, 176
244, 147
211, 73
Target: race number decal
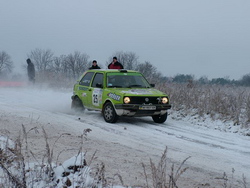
97, 97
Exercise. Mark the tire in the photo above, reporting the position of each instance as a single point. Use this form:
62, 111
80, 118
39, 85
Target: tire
76, 104
160, 118
109, 113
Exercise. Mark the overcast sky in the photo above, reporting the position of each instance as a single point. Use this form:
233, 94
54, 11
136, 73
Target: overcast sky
200, 37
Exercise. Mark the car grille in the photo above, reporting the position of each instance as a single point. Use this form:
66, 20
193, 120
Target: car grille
145, 100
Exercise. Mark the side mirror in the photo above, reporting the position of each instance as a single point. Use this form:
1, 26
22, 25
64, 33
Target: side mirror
98, 85
152, 85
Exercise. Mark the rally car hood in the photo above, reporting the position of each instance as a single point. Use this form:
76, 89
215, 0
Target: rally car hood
139, 91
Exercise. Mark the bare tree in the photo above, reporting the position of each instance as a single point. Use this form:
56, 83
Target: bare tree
77, 63
59, 64
149, 71
42, 59
6, 65
245, 80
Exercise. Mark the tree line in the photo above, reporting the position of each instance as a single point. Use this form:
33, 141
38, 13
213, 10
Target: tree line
71, 66
189, 79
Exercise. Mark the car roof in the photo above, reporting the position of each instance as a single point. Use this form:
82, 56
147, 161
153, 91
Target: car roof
112, 70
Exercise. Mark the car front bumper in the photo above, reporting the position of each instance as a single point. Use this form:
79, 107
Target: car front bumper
141, 110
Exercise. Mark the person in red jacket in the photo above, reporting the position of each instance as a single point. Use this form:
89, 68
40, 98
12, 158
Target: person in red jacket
115, 64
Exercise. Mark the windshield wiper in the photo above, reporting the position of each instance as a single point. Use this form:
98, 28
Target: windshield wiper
115, 86
135, 85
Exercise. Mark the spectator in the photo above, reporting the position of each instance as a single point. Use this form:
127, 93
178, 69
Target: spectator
94, 65
115, 64
31, 70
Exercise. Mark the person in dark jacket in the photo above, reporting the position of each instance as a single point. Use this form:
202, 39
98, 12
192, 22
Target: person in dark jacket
115, 64
94, 65
31, 70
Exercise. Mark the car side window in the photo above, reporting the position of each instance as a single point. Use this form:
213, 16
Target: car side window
86, 79
98, 79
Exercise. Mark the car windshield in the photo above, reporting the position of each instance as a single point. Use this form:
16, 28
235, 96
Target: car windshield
126, 80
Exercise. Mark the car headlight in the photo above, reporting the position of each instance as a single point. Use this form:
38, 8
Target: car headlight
164, 100
126, 100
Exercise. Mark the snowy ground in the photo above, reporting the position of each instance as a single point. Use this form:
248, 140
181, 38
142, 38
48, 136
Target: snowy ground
124, 146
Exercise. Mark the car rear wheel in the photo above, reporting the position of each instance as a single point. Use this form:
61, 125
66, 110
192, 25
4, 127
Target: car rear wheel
160, 118
109, 113
76, 104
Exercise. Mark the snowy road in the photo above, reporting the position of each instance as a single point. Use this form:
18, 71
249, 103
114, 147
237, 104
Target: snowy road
129, 142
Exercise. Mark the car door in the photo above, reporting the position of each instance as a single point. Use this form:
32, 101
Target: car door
96, 91
85, 89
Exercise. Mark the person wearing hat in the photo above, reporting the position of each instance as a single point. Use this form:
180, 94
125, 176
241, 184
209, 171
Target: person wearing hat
115, 64
94, 65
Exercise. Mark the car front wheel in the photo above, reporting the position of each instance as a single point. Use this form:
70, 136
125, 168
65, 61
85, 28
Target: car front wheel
109, 113
160, 118
76, 104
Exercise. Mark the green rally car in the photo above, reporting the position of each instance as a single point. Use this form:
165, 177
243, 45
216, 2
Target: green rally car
119, 93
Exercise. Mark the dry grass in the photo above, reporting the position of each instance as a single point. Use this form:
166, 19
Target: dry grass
229, 181
160, 177
227, 103
18, 170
